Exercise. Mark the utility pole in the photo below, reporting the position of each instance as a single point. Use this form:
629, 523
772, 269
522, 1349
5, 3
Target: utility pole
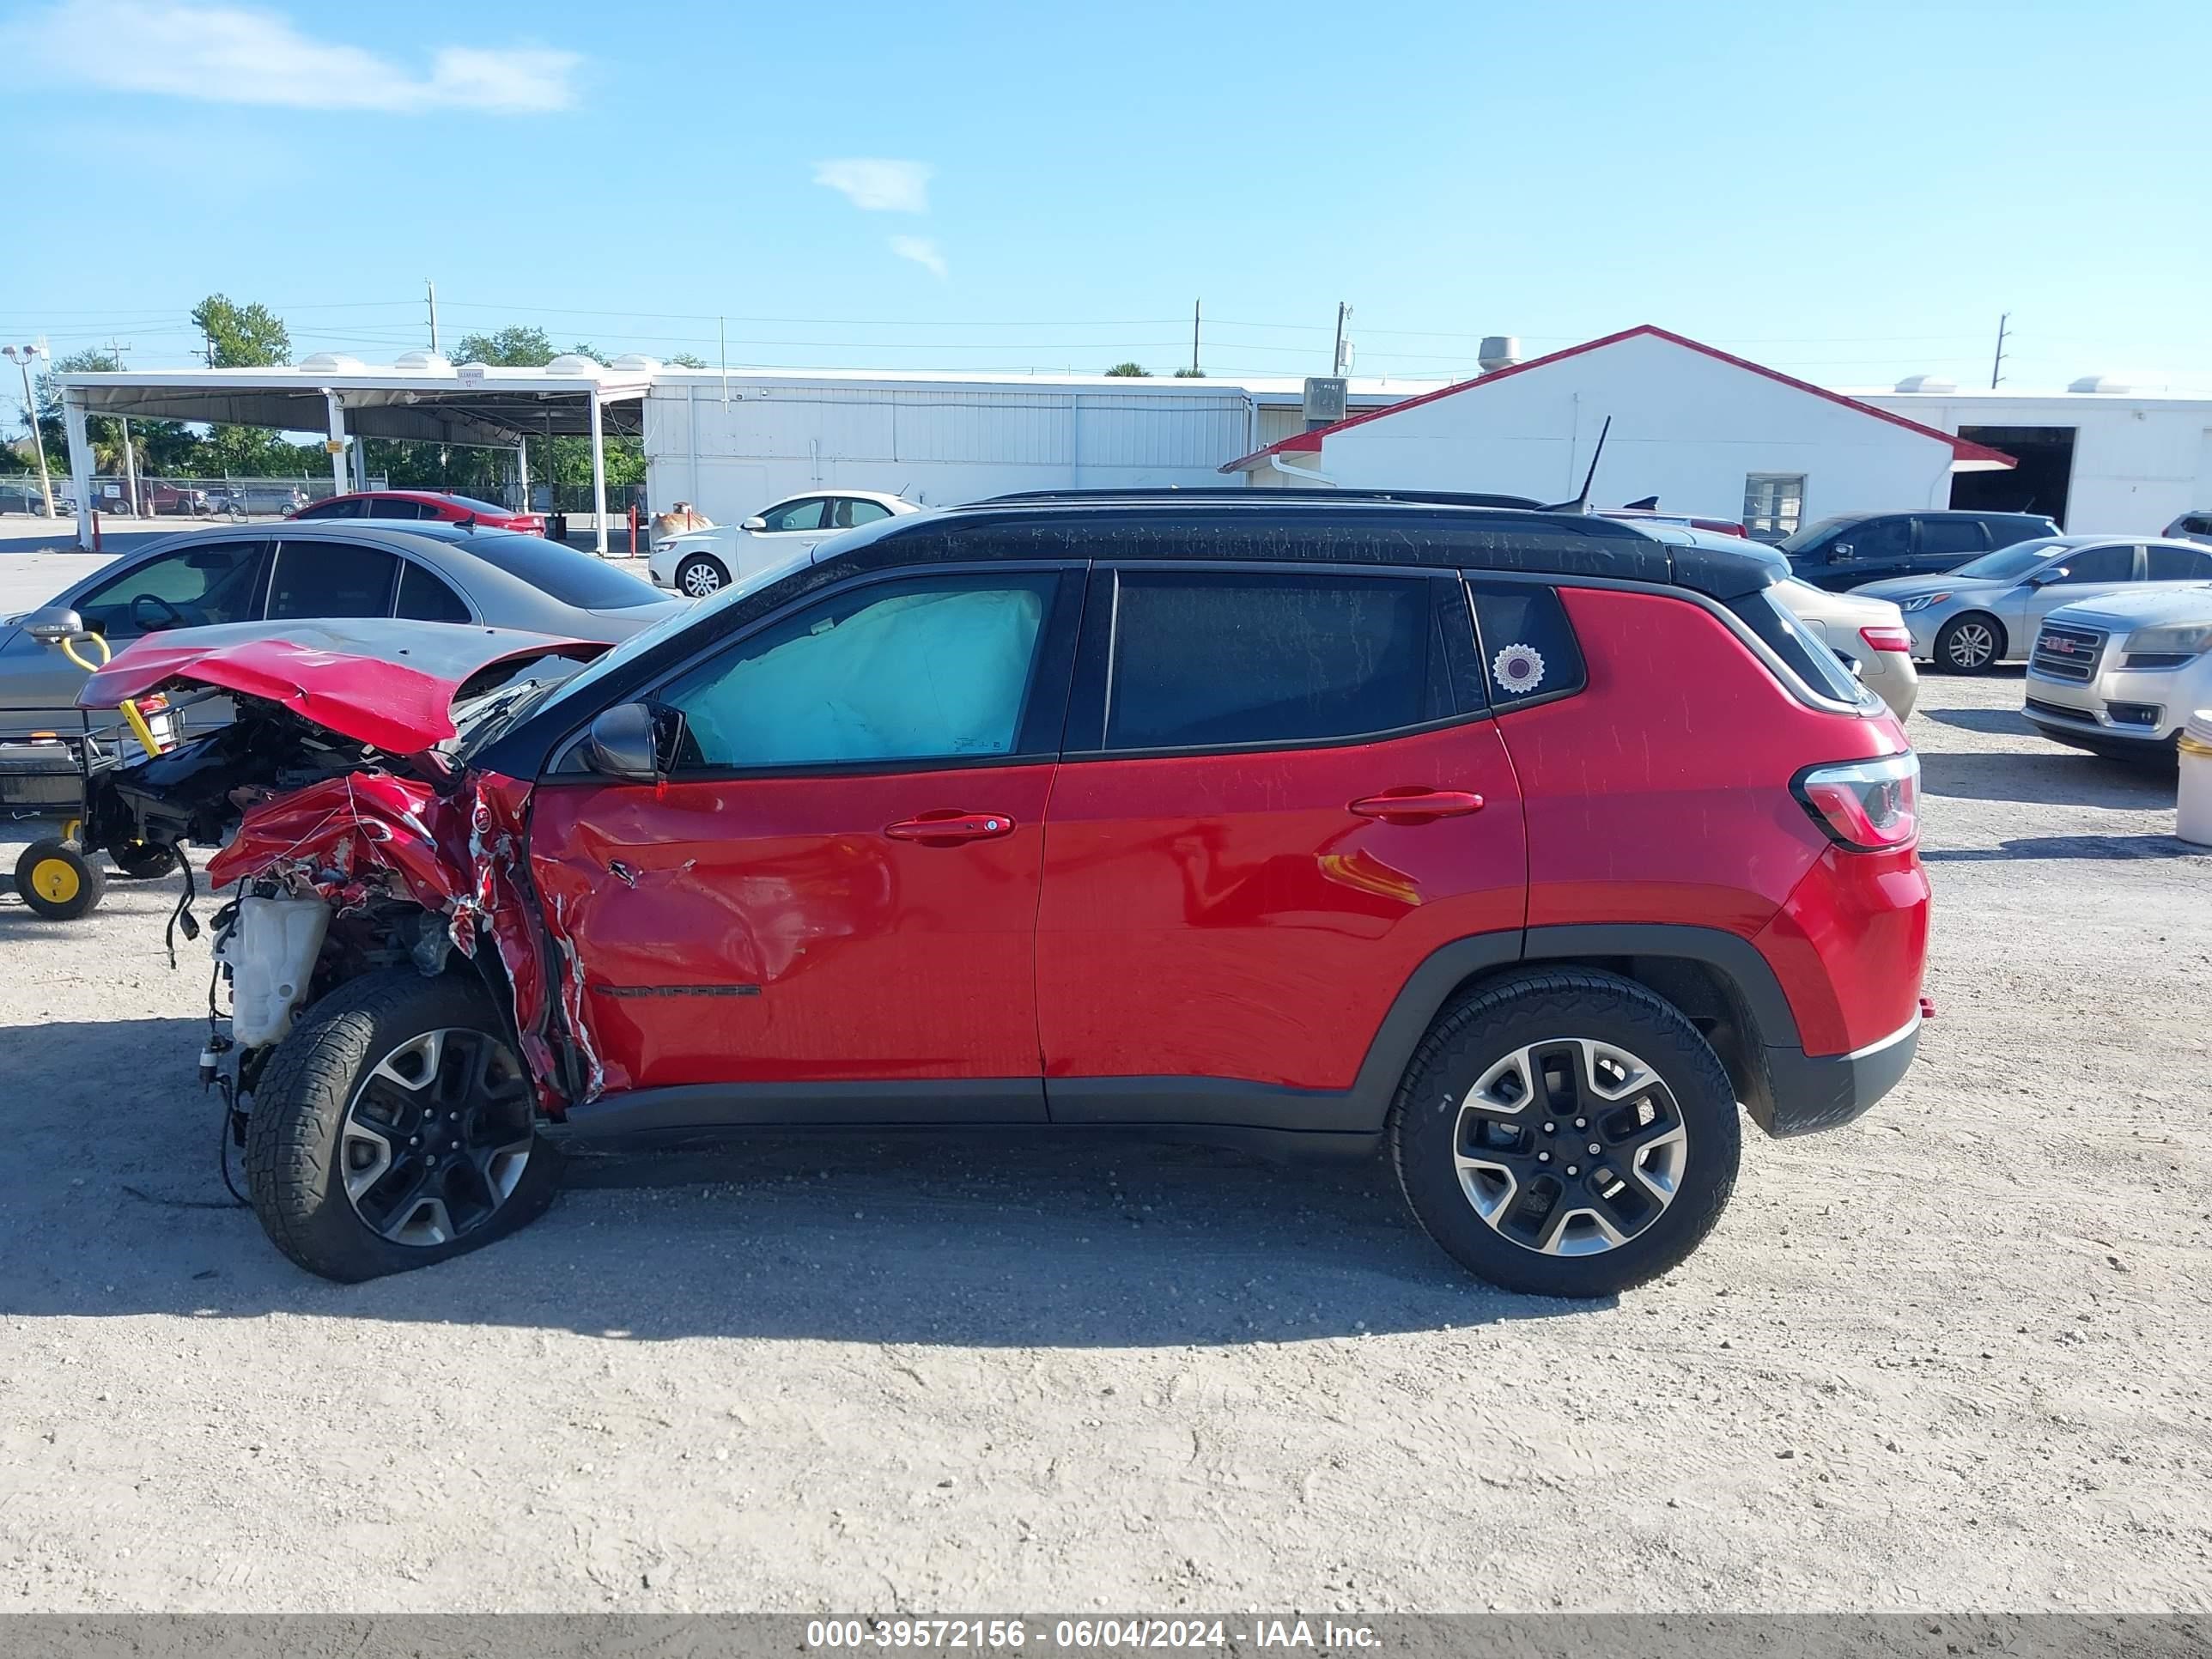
1343, 314
115, 352
433, 288
1194, 370
1997, 362
22, 356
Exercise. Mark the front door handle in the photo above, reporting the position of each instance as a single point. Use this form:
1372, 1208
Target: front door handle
1418, 805
948, 826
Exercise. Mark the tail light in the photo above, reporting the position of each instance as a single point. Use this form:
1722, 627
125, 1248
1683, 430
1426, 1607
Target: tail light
1868, 806
1888, 639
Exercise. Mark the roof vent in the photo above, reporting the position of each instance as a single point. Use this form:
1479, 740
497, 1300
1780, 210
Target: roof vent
573, 363
436, 362
1927, 383
1499, 351
635, 362
2100, 383
333, 363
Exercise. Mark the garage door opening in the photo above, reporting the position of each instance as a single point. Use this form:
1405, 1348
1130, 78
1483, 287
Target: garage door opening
2038, 485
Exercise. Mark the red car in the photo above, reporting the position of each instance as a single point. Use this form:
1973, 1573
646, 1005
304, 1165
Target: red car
389, 504
1522, 844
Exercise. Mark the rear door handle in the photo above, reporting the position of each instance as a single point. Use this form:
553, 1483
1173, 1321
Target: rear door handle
1418, 805
948, 826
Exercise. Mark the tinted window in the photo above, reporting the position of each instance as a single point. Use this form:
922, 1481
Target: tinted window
851, 513
935, 669
1876, 541
397, 507
338, 506
1528, 648
2093, 564
1778, 629
569, 576
1940, 538
1210, 659
457, 506
424, 597
2180, 564
331, 579
1804, 542
193, 587
799, 515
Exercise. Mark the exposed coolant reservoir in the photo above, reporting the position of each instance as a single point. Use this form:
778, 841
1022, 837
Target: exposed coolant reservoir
272, 952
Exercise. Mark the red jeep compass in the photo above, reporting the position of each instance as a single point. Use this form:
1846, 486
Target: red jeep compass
1522, 844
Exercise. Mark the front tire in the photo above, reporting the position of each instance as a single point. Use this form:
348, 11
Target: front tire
1972, 644
394, 1128
701, 577
1493, 1129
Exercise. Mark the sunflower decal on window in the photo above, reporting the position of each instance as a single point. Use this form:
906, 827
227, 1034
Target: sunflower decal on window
1518, 669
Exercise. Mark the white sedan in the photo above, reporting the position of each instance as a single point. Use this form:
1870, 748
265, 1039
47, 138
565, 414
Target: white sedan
1869, 634
700, 563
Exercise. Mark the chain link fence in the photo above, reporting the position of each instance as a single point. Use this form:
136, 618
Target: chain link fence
245, 499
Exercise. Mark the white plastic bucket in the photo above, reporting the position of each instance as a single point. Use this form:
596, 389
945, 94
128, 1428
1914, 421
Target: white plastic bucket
2193, 816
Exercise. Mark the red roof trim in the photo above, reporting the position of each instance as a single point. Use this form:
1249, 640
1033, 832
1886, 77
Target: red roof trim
1309, 443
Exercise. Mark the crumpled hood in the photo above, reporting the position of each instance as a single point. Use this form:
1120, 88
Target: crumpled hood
385, 683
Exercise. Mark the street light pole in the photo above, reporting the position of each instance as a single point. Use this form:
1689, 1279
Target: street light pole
22, 356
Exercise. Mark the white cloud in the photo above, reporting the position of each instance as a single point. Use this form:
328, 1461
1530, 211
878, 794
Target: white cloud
231, 54
923, 252
878, 185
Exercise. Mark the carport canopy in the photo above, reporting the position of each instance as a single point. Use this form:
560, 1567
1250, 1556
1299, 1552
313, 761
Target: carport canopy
422, 398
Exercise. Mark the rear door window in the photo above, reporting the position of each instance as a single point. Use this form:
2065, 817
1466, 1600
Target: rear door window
1209, 660
2180, 564
425, 596
331, 579
2110, 563
196, 585
1952, 540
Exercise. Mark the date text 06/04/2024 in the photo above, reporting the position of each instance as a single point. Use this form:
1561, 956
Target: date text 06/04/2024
1084, 1634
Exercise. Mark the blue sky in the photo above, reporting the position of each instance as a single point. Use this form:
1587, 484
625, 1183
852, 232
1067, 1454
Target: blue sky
1850, 193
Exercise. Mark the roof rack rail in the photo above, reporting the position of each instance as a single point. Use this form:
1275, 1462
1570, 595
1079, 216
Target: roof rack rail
1258, 497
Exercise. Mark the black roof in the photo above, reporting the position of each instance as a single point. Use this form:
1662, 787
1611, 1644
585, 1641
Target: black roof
1332, 527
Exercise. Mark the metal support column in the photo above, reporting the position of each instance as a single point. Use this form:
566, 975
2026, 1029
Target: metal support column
599, 473
337, 440
80, 449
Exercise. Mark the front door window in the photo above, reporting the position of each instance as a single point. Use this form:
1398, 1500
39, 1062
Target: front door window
196, 585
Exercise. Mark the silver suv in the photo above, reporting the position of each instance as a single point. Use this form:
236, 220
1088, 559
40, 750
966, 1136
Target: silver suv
2192, 527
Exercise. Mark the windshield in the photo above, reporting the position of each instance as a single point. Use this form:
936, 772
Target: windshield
569, 576
2007, 562
675, 622
1813, 533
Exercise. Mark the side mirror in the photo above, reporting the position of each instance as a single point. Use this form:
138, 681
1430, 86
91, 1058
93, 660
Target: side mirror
1840, 553
2044, 578
53, 624
634, 742
756, 522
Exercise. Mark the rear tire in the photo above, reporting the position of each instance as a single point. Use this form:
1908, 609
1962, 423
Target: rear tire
1513, 1083
1972, 644
700, 576
58, 882
393, 1127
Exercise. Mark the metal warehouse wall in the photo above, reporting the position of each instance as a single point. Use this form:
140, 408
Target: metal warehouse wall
934, 443
2139, 462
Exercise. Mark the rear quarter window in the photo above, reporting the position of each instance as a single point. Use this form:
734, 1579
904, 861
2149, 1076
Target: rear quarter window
1809, 658
1529, 648
569, 576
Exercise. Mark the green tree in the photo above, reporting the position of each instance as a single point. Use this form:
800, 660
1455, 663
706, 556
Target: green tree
1190, 374
685, 359
518, 345
1131, 371
241, 337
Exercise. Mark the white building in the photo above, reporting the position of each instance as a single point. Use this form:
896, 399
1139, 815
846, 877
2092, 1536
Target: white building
731, 443
1702, 431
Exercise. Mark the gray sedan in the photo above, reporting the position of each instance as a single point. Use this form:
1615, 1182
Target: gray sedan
279, 572
1968, 620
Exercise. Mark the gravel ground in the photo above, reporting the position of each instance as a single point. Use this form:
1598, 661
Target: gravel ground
1941, 1359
